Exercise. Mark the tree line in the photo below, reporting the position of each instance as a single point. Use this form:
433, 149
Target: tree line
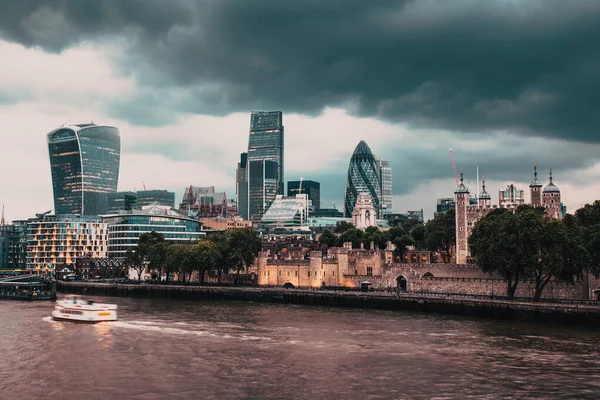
436, 235
231, 251
527, 245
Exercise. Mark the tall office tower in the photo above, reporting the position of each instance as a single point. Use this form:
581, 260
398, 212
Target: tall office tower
363, 177
84, 161
385, 180
241, 186
262, 187
265, 152
311, 188
120, 201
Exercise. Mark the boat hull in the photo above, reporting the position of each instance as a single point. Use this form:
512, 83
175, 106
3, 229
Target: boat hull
88, 316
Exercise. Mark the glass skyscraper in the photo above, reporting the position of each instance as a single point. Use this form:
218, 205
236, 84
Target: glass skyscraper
264, 163
84, 161
363, 177
385, 180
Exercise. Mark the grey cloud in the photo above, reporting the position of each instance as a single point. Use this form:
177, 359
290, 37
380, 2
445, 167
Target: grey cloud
527, 67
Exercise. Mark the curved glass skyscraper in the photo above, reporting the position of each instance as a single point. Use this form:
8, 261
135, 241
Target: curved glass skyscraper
84, 161
363, 177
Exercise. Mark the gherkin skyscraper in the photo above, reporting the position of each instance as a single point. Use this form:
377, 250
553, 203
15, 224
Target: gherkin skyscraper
363, 177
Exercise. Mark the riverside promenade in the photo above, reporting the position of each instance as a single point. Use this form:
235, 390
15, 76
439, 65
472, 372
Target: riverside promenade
581, 314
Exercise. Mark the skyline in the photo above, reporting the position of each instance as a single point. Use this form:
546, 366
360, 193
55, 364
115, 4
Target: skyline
523, 93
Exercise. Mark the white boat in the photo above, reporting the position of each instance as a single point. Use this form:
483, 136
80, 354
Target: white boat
77, 309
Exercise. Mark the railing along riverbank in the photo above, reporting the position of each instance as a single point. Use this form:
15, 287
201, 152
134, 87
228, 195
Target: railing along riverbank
557, 313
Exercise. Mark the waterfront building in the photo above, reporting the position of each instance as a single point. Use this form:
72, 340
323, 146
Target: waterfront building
147, 198
467, 215
322, 223
125, 228
13, 245
385, 180
84, 163
205, 202
265, 162
308, 187
55, 241
225, 224
87, 267
363, 177
120, 201
286, 212
363, 215
241, 186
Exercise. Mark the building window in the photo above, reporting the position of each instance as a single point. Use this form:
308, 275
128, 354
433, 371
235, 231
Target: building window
308, 273
279, 273
288, 273
369, 271
295, 273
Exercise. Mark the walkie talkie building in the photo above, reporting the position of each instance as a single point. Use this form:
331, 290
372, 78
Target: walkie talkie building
84, 161
363, 177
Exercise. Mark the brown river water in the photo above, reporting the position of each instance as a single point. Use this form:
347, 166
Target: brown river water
233, 350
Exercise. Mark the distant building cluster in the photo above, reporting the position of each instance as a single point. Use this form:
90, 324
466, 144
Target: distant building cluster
93, 221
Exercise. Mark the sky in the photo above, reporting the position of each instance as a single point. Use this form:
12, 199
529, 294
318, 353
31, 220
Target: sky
504, 83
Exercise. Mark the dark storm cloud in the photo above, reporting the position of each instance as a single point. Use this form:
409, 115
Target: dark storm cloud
529, 67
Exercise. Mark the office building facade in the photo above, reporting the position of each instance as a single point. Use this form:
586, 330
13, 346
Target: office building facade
385, 180
147, 198
241, 186
363, 177
125, 228
120, 201
84, 163
264, 163
56, 241
311, 188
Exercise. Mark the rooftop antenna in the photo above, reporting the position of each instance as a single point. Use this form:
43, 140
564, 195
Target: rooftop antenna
2, 221
477, 193
69, 120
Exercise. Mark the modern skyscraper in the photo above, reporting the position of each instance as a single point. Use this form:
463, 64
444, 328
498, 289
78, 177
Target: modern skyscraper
363, 177
385, 180
311, 188
264, 165
84, 161
120, 201
241, 186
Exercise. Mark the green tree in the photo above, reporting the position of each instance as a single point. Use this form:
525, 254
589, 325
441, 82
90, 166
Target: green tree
134, 260
342, 226
419, 234
440, 232
356, 236
242, 247
328, 239
204, 255
157, 257
588, 219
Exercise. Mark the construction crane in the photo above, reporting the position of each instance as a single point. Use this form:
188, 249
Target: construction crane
144, 185
299, 190
453, 166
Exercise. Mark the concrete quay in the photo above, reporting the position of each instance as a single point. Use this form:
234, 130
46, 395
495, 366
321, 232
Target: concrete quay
567, 314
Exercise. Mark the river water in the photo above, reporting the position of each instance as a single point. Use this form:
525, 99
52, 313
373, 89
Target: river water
233, 350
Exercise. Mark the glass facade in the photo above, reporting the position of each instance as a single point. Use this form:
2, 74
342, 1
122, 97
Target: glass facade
262, 187
155, 197
120, 201
363, 177
13, 245
265, 144
125, 230
311, 188
385, 178
241, 186
84, 163
286, 212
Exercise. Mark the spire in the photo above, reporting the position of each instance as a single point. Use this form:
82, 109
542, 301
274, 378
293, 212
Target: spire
2, 221
484, 194
535, 182
551, 176
461, 176
461, 188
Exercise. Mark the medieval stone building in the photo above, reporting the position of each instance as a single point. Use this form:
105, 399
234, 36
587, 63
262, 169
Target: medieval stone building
467, 215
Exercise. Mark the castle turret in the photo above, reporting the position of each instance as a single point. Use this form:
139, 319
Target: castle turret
461, 197
485, 200
535, 189
551, 199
